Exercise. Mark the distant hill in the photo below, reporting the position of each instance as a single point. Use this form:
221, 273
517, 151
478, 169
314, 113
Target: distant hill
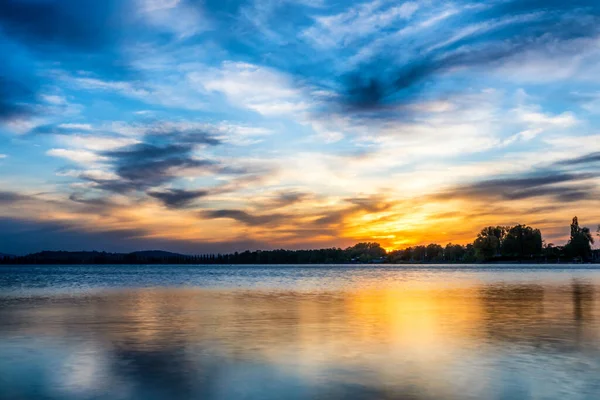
4, 255
102, 257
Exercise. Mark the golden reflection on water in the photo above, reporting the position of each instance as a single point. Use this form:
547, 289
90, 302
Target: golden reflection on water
418, 341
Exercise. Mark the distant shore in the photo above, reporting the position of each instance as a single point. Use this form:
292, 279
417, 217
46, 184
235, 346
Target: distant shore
161, 257
516, 244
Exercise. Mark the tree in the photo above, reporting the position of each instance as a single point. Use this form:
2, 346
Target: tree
522, 241
469, 255
419, 253
454, 252
435, 252
580, 243
486, 247
488, 242
365, 252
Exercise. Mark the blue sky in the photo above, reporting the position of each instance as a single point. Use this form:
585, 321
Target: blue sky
224, 125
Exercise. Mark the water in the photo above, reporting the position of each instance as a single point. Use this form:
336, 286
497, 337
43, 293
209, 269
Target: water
281, 332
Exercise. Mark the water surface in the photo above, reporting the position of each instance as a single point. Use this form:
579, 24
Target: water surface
299, 332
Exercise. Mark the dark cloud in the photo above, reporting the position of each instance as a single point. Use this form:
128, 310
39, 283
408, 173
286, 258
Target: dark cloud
384, 82
370, 204
11, 197
160, 158
149, 165
332, 218
591, 158
564, 194
82, 34
178, 198
82, 25
563, 187
53, 129
160, 134
285, 199
95, 205
247, 218
155, 161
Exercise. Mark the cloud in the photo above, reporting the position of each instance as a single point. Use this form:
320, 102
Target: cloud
34, 32
181, 133
147, 165
563, 187
261, 89
178, 198
11, 197
591, 158
178, 17
327, 220
160, 153
537, 122
373, 204
73, 126
241, 135
95, 142
3, 156
57, 129
358, 22
288, 198
564, 120
293, 217
79, 156
155, 159
246, 218
498, 34
101, 202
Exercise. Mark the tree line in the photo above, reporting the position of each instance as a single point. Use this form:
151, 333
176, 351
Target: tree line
518, 243
506, 243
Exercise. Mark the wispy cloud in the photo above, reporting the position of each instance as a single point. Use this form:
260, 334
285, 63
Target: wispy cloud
78, 156
563, 187
261, 89
358, 22
179, 17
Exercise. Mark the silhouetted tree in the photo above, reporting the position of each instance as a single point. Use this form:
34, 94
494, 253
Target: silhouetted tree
434, 252
419, 253
489, 242
552, 252
580, 243
454, 252
522, 241
366, 252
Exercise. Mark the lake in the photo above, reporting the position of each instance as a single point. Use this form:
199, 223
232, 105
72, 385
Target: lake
300, 332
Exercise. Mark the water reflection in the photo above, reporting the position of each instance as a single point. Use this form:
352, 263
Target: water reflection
486, 339
583, 300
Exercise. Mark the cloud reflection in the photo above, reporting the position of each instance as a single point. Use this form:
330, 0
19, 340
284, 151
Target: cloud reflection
428, 340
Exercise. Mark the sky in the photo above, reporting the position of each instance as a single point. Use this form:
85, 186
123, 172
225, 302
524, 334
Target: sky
216, 126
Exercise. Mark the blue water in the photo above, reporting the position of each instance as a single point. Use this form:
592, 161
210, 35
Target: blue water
300, 332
